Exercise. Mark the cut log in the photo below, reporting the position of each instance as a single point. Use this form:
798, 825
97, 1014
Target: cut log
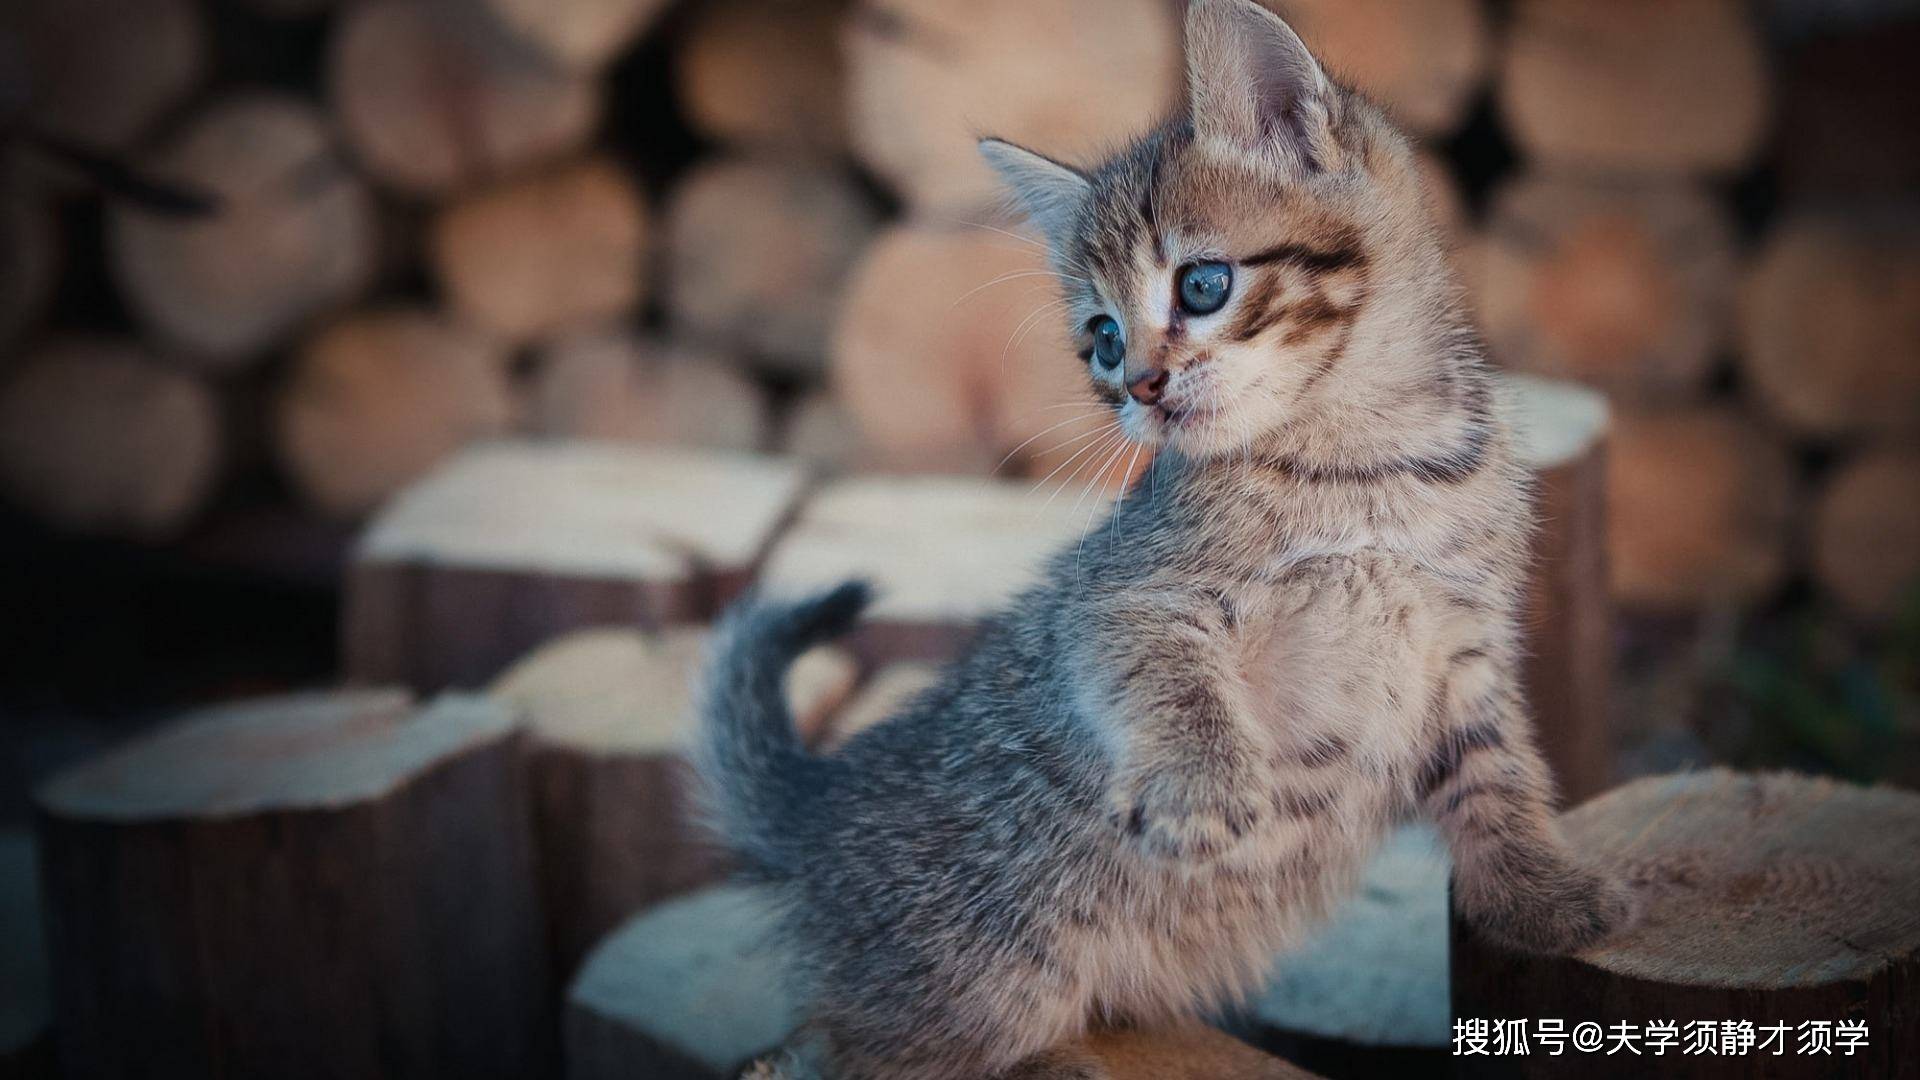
758, 254
1866, 534
1776, 901
1625, 285
1830, 322
432, 97
609, 715
878, 700
761, 74
378, 399
1699, 504
30, 264
545, 254
1635, 85
695, 988
100, 73
293, 235
511, 544
326, 884
1069, 78
98, 436
1423, 60
579, 35
613, 386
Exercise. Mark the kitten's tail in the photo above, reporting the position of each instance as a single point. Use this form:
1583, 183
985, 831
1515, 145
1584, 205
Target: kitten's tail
757, 779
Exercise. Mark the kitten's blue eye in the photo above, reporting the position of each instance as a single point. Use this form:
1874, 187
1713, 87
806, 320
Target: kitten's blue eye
1109, 345
1204, 287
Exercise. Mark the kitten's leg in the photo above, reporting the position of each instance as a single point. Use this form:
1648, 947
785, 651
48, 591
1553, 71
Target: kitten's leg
1487, 787
1186, 782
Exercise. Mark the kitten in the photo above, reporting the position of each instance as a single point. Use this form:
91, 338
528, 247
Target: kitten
1157, 767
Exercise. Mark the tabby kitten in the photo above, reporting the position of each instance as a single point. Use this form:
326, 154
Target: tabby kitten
1164, 762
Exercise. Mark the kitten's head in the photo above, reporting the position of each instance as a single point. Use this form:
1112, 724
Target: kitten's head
1218, 269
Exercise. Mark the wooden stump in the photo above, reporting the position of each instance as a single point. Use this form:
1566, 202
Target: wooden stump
759, 74
757, 257
1866, 534
30, 263
293, 235
580, 35
101, 72
609, 714
1423, 60
1830, 322
1624, 285
1771, 899
376, 400
1699, 503
98, 436
927, 78
319, 885
1635, 85
693, 989
546, 254
431, 97
612, 386
511, 544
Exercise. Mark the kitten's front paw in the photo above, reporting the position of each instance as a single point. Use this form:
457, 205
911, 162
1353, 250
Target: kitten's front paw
1184, 814
1571, 909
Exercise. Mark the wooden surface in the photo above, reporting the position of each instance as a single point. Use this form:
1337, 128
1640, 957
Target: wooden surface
1767, 898
754, 74
103, 72
317, 885
611, 385
575, 34
1866, 534
1423, 60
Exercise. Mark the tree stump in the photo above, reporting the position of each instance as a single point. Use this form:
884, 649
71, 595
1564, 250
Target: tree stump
1830, 322
376, 400
1624, 285
1423, 60
293, 235
927, 78
1769, 900
510, 544
694, 989
609, 714
759, 74
101, 73
545, 254
758, 254
317, 885
1866, 534
432, 97
1658, 86
612, 386
1699, 506
579, 35
98, 436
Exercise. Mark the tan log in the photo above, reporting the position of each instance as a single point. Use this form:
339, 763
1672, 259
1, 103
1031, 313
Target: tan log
432, 97
580, 35
1766, 900
1866, 534
1637, 85
1830, 322
101, 72
377, 399
760, 74
293, 234
611, 385
510, 544
1699, 502
758, 253
299, 886
1423, 60
97, 435
1623, 285
927, 78
30, 263
609, 715
545, 254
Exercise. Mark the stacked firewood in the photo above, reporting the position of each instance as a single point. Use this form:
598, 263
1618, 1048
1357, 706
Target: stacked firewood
762, 224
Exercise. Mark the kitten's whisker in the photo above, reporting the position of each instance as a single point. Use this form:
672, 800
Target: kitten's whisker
1011, 275
1050, 449
1097, 447
1042, 310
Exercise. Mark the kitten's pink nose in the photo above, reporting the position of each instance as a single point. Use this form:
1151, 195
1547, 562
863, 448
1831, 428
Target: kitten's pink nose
1146, 389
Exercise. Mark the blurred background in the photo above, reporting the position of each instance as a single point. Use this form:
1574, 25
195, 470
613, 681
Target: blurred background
263, 263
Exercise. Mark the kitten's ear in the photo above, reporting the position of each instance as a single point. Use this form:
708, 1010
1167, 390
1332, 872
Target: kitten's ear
1050, 193
1252, 83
